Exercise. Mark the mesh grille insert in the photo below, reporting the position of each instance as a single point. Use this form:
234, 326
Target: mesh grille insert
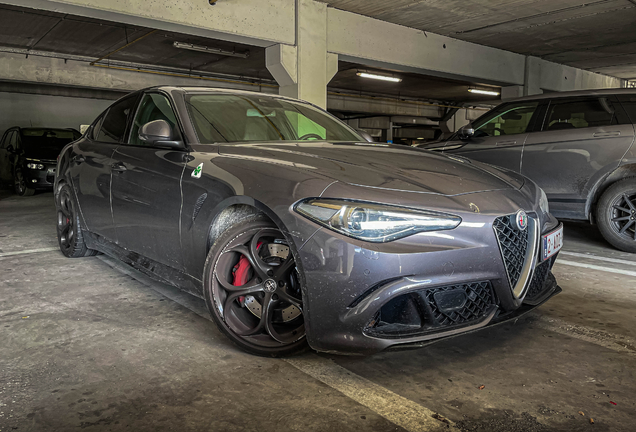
537, 285
514, 244
479, 299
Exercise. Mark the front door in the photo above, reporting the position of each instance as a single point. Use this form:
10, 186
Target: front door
146, 188
582, 138
499, 136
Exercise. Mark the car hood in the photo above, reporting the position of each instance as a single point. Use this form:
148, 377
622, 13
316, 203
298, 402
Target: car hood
383, 166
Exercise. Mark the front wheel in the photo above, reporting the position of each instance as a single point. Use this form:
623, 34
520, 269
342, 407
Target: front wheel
21, 187
70, 235
253, 289
616, 215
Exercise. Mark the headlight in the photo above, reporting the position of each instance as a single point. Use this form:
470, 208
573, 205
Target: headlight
373, 222
37, 166
543, 203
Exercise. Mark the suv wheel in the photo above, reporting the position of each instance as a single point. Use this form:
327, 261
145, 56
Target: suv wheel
616, 215
21, 187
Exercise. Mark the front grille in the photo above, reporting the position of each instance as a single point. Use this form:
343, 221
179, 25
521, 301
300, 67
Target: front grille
514, 244
434, 310
537, 285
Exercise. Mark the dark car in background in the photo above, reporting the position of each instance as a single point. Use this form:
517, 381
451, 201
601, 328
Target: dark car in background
297, 231
577, 146
28, 157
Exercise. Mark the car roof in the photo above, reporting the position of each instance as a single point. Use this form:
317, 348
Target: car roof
595, 92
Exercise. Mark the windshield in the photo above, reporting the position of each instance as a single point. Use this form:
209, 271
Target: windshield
245, 118
46, 143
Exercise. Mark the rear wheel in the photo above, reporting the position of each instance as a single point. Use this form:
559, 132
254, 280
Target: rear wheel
616, 215
70, 235
253, 289
21, 187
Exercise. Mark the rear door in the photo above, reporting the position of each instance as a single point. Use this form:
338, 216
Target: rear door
146, 188
499, 135
91, 166
580, 137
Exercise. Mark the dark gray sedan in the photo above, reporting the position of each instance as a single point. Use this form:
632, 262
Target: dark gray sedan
295, 230
577, 146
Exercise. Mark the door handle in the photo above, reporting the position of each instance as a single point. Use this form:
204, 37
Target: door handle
606, 134
118, 167
79, 159
505, 143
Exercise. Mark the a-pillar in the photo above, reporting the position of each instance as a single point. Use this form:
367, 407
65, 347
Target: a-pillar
304, 70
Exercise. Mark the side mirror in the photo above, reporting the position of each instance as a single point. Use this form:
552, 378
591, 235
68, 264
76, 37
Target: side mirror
465, 132
158, 133
364, 134
10, 149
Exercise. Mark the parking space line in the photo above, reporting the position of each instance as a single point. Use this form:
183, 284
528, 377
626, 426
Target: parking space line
599, 268
599, 258
401, 411
610, 341
393, 407
29, 251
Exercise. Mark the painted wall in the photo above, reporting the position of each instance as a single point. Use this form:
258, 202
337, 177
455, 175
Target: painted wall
20, 109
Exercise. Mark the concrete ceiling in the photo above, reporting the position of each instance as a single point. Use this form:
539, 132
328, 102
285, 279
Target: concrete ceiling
37, 30
596, 35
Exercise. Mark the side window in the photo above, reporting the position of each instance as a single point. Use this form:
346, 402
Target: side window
579, 113
154, 106
113, 126
96, 128
5, 140
508, 119
628, 102
13, 140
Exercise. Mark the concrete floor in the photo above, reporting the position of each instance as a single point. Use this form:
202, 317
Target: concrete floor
91, 344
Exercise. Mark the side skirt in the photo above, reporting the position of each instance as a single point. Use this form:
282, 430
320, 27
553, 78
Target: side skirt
151, 268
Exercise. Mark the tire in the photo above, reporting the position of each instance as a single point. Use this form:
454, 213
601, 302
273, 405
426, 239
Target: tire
70, 235
20, 185
616, 214
253, 254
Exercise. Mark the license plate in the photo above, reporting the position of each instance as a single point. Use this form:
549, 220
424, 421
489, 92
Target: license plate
552, 243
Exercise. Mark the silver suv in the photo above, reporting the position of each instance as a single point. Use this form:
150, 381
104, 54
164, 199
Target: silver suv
577, 146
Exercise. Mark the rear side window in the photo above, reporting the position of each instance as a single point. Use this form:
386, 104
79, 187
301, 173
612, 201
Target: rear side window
96, 128
629, 104
580, 113
114, 124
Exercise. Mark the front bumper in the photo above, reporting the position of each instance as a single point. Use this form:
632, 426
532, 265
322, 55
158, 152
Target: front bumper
409, 293
40, 178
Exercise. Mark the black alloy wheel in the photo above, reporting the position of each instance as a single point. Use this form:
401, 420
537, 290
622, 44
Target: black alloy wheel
21, 187
624, 216
616, 214
253, 289
69, 232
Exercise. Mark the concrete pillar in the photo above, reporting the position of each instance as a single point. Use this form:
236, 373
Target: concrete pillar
532, 76
511, 92
304, 70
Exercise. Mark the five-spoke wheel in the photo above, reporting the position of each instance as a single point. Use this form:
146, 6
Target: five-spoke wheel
69, 231
253, 288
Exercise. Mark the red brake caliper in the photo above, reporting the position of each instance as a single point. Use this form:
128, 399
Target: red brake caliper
241, 271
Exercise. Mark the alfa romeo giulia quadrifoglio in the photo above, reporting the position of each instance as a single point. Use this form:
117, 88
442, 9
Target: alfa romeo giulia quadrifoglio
298, 232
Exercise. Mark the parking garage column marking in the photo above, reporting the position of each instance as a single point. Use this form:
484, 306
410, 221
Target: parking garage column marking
398, 410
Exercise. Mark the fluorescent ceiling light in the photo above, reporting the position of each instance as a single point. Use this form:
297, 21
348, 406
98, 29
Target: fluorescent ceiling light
205, 49
379, 77
484, 92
